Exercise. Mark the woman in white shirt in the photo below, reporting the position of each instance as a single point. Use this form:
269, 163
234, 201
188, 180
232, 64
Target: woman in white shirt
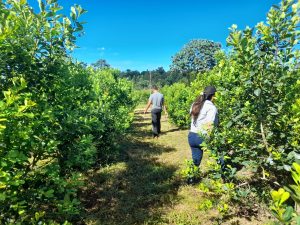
204, 116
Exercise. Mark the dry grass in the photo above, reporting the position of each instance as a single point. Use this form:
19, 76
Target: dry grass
145, 187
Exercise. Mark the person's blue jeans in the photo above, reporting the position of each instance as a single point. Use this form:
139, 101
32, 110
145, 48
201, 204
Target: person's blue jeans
195, 141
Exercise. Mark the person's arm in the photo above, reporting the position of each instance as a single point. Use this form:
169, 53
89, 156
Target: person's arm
165, 109
148, 105
211, 117
164, 106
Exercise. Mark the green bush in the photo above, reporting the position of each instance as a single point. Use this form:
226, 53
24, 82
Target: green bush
113, 107
256, 92
57, 118
190, 171
178, 102
258, 85
257, 99
141, 96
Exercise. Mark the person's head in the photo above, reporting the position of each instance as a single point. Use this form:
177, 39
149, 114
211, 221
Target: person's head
207, 94
154, 88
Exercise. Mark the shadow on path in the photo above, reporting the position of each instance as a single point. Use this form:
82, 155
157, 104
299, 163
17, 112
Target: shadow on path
133, 191
171, 130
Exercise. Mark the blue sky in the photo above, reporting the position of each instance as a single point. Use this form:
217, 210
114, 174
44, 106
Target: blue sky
141, 35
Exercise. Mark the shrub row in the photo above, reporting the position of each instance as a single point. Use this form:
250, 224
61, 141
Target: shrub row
258, 98
258, 94
57, 118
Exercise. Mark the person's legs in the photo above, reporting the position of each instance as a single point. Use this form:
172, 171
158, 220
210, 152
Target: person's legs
154, 123
197, 152
158, 122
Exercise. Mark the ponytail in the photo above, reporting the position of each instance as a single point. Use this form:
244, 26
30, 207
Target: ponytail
198, 105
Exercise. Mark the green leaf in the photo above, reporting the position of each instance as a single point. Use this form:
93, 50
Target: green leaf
73, 13
23, 2
79, 26
67, 21
285, 196
49, 2
50, 14
229, 124
287, 167
49, 193
41, 5
275, 196
297, 220
288, 213
21, 212
257, 92
2, 196
296, 166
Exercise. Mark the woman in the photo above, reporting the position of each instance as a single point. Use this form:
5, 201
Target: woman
204, 116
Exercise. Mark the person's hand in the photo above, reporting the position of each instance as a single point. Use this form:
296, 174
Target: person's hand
145, 112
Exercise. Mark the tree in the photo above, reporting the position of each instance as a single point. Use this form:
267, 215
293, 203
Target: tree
175, 77
159, 76
130, 74
196, 56
101, 64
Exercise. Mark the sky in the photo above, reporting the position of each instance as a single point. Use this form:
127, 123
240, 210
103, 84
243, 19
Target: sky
145, 34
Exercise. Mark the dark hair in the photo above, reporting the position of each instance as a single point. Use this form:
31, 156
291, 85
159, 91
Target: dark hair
208, 93
154, 87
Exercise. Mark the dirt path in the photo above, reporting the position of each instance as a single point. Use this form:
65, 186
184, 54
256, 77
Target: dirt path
144, 185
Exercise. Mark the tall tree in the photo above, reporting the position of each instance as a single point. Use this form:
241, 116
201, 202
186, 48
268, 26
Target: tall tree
196, 56
101, 64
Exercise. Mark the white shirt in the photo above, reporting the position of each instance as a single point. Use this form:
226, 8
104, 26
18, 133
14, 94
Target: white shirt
207, 115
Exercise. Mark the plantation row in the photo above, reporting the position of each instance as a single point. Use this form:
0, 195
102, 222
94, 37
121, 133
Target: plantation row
258, 97
57, 118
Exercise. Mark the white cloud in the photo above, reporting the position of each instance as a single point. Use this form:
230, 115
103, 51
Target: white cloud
102, 49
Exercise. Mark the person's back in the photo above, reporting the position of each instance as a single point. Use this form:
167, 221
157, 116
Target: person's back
207, 116
157, 100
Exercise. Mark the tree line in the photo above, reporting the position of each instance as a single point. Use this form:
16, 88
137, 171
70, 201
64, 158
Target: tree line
197, 56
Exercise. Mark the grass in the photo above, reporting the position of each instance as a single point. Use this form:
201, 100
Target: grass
144, 185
